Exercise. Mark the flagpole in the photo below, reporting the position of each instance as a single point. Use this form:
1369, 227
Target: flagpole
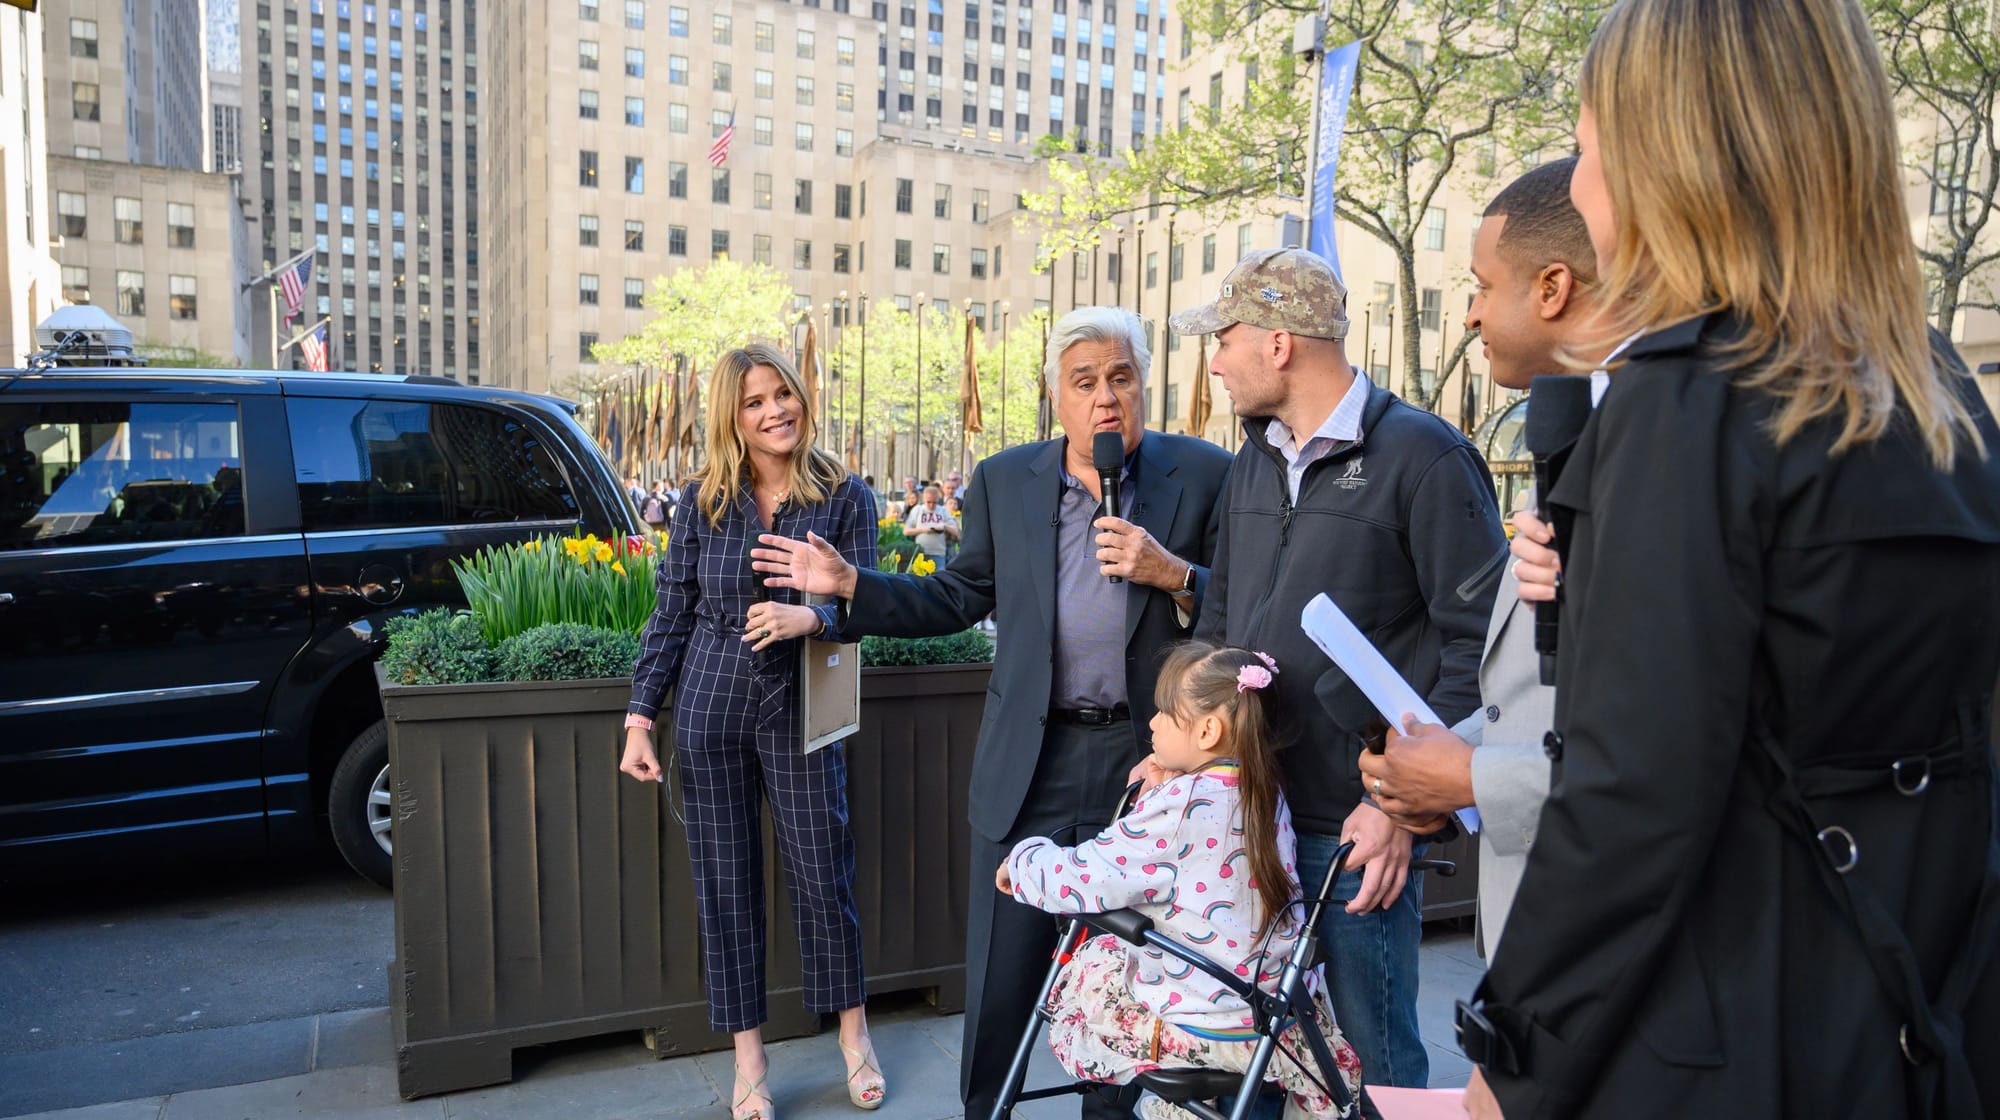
268, 276
325, 320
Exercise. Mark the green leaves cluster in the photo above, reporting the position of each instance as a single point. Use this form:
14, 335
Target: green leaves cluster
436, 647
567, 651
964, 647
704, 312
515, 588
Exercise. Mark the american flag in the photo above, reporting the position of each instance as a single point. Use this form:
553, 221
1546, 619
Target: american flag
718, 152
313, 346
293, 281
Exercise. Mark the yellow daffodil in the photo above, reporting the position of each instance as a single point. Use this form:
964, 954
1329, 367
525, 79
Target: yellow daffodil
574, 546
533, 546
602, 553
617, 567
922, 566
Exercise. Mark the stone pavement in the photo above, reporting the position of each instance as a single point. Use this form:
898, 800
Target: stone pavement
343, 1066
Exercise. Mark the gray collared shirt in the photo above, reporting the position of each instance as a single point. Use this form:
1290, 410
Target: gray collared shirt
1090, 609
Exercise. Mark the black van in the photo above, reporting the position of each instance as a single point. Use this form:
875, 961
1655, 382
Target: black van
195, 567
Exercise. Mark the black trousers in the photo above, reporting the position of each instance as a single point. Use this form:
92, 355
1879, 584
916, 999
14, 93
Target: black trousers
1007, 944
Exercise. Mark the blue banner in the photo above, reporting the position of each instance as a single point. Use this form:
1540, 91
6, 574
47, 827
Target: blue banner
1336, 87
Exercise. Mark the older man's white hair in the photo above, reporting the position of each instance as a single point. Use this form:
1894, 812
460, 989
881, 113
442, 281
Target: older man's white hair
1096, 324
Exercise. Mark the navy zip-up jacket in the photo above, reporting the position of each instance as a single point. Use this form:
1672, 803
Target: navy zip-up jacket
1402, 530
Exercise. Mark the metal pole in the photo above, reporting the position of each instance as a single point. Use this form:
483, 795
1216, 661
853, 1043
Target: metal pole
919, 440
1164, 328
861, 413
1004, 305
1096, 268
1118, 281
1368, 337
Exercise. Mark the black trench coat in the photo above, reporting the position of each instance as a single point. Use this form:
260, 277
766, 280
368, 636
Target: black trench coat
1681, 945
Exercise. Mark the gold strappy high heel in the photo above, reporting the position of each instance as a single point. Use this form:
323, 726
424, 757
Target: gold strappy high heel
754, 1092
866, 1094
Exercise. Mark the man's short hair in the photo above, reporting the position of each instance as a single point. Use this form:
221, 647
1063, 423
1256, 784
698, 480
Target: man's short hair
1543, 226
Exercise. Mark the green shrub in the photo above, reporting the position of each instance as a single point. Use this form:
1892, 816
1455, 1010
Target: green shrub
437, 647
963, 648
567, 651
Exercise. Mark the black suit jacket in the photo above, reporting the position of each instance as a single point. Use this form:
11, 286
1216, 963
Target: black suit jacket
1006, 565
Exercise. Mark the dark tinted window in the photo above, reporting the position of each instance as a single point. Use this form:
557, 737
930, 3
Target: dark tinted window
386, 464
89, 473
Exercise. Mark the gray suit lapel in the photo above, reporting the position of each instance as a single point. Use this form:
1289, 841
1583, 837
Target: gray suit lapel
1040, 507
1155, 500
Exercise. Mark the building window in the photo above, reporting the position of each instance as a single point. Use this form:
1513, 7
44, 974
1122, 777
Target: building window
843, 200
635, 111
586, 230
723, 30
677, 21
941, 202
1178, 257
805, 41
677, 117
635, 294
83, 38
802, 196
677, 241
720, 78
635, 236
902, 253
180, 225
980, 205
180, 297
127, 225
843, 51
635, 14
586, 344
760, 131
71, 219
843, 96
586, 169
83, 101
843, 142
586, 104
586, 10
586, 289
842, 258
75, 284
718, 185
760, 190
802, 253
677, 180
761, 83
979, 264
1152, 270
1242, 241
635, 62
905, 194
802, 137
1433, 308
940, 258
802, 90
586, 54
131, 293
677, 70
1434, 227
765, 36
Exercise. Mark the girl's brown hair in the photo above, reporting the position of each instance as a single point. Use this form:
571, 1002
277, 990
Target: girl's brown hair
1200, 679
1769, 190
814, 474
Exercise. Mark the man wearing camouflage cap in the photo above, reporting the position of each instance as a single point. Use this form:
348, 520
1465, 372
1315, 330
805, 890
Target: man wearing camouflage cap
1390, 511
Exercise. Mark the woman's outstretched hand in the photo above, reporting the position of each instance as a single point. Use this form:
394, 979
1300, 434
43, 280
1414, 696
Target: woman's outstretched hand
812, 565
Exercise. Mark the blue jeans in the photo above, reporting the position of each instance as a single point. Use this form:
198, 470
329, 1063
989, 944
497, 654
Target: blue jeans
1372, 969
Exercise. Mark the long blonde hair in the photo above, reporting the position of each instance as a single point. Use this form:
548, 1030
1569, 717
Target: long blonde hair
813, 473
1749, 149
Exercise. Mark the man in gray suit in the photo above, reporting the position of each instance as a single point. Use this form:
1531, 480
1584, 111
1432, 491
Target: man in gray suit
1078, 656
1535, 268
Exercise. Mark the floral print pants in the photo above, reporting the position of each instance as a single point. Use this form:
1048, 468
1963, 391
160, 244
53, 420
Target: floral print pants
1101, 1033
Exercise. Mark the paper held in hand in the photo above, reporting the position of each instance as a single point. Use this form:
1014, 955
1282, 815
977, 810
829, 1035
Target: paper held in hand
1335, 634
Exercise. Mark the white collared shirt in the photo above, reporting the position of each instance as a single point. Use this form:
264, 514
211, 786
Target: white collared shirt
1342, 425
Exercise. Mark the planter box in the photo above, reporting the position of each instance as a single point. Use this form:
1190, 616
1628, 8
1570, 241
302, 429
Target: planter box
541, 895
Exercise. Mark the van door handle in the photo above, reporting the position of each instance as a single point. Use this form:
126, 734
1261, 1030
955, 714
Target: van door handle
6, 599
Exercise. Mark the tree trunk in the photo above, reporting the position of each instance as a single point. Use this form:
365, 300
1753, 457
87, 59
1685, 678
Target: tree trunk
1414, 389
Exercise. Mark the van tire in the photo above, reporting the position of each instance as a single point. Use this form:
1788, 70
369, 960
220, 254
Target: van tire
358, 803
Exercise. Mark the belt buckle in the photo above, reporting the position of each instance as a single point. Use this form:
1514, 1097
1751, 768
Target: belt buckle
1481, 1042
1094, 717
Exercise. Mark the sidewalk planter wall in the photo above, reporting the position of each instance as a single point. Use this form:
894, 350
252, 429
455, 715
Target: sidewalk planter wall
541, 895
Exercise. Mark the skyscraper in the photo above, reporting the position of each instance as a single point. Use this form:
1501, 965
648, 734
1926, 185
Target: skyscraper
366, 116
29, 288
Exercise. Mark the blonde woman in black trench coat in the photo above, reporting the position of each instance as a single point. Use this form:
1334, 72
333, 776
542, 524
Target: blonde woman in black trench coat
1767, 882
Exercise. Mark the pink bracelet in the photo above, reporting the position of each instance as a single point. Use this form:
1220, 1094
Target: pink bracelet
634, 719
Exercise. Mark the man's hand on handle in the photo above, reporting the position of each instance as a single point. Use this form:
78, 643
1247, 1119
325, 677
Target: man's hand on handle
812, 565
1382, 851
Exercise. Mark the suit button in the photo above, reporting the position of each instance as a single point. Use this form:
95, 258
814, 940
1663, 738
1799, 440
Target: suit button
1043, 720
1552, 745
1493, 713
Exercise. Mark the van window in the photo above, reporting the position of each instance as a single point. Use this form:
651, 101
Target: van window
83, 473
394, 464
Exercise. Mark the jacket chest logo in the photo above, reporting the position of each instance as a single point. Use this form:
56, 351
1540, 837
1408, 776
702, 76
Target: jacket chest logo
1349, 478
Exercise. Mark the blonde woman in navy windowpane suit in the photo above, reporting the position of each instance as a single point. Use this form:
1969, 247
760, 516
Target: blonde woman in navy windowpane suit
734, 656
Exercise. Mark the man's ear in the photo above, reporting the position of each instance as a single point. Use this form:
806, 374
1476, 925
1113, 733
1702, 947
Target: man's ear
1281, 348
1554, 289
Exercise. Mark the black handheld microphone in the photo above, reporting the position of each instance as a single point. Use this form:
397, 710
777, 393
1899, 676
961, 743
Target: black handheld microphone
759, 593
1558, 407
1107, 454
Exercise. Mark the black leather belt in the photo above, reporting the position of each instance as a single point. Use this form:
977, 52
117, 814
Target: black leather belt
1091, 717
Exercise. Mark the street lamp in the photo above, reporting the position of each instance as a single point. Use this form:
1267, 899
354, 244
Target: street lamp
965, 436
1005, 307
919, 437
861, 412
1118, 281
840, 302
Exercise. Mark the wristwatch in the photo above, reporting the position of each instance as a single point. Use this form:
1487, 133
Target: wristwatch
1187, 583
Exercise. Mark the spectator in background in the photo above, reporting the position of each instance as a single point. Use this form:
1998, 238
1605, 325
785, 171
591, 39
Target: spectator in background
932, 526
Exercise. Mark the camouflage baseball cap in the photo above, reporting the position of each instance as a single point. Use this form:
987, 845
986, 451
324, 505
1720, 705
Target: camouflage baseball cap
1276, 289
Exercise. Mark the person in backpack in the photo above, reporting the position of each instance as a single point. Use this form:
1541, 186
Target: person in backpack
655, 511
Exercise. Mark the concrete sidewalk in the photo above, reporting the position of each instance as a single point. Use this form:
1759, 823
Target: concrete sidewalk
344, 1066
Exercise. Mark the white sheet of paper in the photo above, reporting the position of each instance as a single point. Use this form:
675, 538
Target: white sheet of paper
1335, 634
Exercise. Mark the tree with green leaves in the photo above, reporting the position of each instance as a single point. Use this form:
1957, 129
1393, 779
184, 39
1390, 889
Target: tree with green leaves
1943, 58
703, 313
1445, 89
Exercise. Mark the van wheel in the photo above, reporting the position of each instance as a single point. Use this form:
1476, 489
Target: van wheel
360, 804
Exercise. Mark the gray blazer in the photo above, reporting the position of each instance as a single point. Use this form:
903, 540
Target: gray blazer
1510, 773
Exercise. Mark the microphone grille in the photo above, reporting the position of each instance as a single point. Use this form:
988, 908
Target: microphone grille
1558, 406
1107, 452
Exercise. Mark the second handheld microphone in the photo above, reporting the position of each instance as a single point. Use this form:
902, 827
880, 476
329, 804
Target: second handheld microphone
1107, 454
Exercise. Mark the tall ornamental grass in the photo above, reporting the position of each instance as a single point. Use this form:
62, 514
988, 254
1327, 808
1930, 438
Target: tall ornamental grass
583, 580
